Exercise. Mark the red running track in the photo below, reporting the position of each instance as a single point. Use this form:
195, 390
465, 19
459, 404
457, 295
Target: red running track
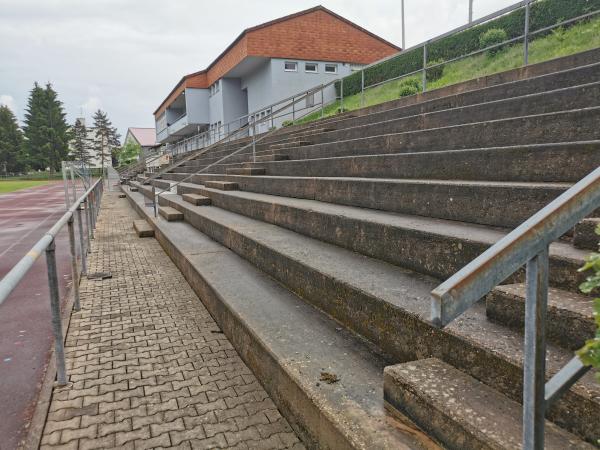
25, 322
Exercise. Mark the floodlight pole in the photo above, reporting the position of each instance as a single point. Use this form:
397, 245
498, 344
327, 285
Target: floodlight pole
470, 11
403, 23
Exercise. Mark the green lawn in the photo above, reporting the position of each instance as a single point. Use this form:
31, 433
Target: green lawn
15, 185
560, 42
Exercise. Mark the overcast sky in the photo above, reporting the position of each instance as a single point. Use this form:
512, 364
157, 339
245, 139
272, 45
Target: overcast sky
124, 56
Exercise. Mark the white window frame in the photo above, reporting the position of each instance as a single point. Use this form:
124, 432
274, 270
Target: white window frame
295, 69
311, 71
335, 68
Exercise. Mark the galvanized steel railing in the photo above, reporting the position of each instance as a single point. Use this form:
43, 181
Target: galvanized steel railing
47, 244
526, 245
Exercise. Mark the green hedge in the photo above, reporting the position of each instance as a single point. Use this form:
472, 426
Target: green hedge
543, 13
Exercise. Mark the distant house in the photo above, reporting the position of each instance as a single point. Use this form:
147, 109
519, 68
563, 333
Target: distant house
146, 139
265, 64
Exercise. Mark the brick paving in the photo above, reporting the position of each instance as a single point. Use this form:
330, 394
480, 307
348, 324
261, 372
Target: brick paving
149, 367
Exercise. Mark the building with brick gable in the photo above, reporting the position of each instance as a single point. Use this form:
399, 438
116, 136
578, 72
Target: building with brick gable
265, 64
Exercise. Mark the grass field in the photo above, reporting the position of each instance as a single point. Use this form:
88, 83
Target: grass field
560, 42
15, 185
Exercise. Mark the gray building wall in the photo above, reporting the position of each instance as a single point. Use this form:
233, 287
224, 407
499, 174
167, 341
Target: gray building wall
196, 103
235, 100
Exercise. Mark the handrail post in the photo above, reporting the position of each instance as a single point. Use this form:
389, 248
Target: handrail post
342, 96
362, 87
526, 33
88, 221
66, 185
61, 373
424, 67
293, 109
154, 199
82, 242
254, 139
534, 374
322, 100
74, 271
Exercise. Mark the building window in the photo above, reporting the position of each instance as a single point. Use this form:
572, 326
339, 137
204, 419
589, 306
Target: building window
331, 68
290, 66
214, 88
310, 67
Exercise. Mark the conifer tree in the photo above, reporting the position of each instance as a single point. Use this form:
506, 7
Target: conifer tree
80, 145
46, 130
11, 143
106, 140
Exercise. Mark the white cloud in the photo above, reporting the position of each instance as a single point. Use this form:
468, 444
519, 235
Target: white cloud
126, 55
7, 100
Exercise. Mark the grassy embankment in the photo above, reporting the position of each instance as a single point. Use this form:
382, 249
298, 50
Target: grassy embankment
560, 42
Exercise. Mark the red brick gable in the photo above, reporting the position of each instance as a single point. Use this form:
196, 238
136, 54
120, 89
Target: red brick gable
316, 34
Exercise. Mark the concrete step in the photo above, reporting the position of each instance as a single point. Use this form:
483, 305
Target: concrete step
268, 158
169, 213
390, 307
291, 143
222, 185
143, 228
569, 98
430, 246
585, 235
542, 163
288, 344
245, 171
502, 204
564, 126
196, 199
569, 321
547, 82
460, 411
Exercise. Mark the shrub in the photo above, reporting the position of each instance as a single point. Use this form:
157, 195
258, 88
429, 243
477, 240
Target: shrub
407, 90
412, 82
543, 14
435, 73
491, 37
287, 123
590, 353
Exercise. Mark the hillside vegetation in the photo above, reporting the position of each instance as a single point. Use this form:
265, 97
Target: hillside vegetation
559, 42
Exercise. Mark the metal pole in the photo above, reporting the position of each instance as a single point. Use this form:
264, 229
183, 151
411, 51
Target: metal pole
88, 221
74, 270
534, 375
293, 109
66, 184
362, 87
82, 242
526, 34
61, 373
424, 67
154, 199
470, 11
254, 140
322, 101
403, 27
342, 94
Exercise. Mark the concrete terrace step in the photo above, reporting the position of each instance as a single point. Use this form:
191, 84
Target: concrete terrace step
170, 214
390, 307
564, 126
460, 411
502, 204
142, 228
196, 199
292, 143
287, 344
570, 317
222, 185
570, 98
245, 171
585, 235
537, 162
548, 82
430, 246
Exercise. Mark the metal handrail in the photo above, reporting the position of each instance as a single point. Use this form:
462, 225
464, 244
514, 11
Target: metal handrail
47, 243
526, 245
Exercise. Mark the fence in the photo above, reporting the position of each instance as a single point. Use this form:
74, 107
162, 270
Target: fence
89, 203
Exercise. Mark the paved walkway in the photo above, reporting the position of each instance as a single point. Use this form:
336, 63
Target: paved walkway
149, 366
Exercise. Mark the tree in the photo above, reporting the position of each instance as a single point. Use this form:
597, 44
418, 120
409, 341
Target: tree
128, 153
46, 130
107, 137
11, 142
80, 145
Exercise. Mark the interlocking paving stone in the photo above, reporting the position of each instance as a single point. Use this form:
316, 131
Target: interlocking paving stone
147, 365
